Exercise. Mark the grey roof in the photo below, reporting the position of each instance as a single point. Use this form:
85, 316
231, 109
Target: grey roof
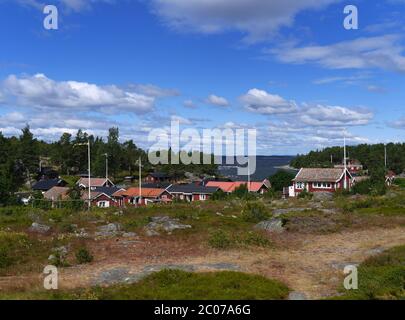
192, 188
47, 184
319, 175
109, 191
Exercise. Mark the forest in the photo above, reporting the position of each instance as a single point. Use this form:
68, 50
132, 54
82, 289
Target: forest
371, 156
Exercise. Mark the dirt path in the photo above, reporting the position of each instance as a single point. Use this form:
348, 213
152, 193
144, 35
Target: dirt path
309, 264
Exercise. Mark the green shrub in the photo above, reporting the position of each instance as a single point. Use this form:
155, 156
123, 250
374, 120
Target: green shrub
218, 195
254, 212
12, 248
255, 239
381, 277
174, 285
58, 260
305, 195
220, 240
83, 256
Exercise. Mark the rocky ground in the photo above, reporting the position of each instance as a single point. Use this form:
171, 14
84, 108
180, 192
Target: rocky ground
302, 254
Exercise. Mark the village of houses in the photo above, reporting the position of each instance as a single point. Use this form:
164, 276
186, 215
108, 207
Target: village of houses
159, 187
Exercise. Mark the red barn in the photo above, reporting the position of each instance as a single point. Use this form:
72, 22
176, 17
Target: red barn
321, 180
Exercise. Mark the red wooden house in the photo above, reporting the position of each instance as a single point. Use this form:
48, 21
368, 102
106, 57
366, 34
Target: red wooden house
321, 180
132, 196
191, 192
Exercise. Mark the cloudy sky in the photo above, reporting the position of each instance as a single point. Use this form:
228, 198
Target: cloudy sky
287, 68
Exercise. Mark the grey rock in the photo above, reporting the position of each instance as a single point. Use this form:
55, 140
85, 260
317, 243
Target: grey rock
151, 233
375, 251
39, 228
123, 275
222, 266
295, 295
62, 251
322, 196
166, 224
272, 225
279, 212
219, 214
341, 265
81, 233
109, 230
129, 234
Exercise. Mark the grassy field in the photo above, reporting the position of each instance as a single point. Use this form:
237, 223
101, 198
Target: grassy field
175, 285
381, 277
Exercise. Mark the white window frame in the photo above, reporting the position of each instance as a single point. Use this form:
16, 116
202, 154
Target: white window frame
103, 204
322, 185
300, 185
203, 197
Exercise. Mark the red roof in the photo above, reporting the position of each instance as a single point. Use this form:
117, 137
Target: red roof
229, 187
146, 192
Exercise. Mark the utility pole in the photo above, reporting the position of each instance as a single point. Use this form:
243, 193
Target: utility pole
385, 156
89, 162
106, 166
140, 180
248, 173
345, 164
89, 169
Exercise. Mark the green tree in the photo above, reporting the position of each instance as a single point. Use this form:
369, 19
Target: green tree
281, 180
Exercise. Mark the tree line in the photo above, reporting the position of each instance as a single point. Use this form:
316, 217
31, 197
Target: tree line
20, 158
371, 156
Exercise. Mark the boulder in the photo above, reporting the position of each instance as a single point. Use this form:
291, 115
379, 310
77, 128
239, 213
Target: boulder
39, 228
129, 234
273, 225
166, 224
109, 230
322, 196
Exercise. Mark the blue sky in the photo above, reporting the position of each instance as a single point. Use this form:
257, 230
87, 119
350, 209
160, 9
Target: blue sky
286, 68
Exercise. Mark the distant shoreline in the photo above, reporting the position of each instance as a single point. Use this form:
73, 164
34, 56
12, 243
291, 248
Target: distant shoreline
286, 167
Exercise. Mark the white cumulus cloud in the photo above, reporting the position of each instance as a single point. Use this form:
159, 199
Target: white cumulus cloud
41, 92
321, 115
383, 52
260, 101
217, 101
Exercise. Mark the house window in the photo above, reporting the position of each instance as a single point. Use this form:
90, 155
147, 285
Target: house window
322, 185
203, 197
300, 185
103, 204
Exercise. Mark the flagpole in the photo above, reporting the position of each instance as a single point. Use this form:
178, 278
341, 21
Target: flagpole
88, 149
345, 164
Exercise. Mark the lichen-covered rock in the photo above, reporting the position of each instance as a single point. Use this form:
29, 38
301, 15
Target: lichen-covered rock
166, 224
109, 230
272, 225
39, 228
